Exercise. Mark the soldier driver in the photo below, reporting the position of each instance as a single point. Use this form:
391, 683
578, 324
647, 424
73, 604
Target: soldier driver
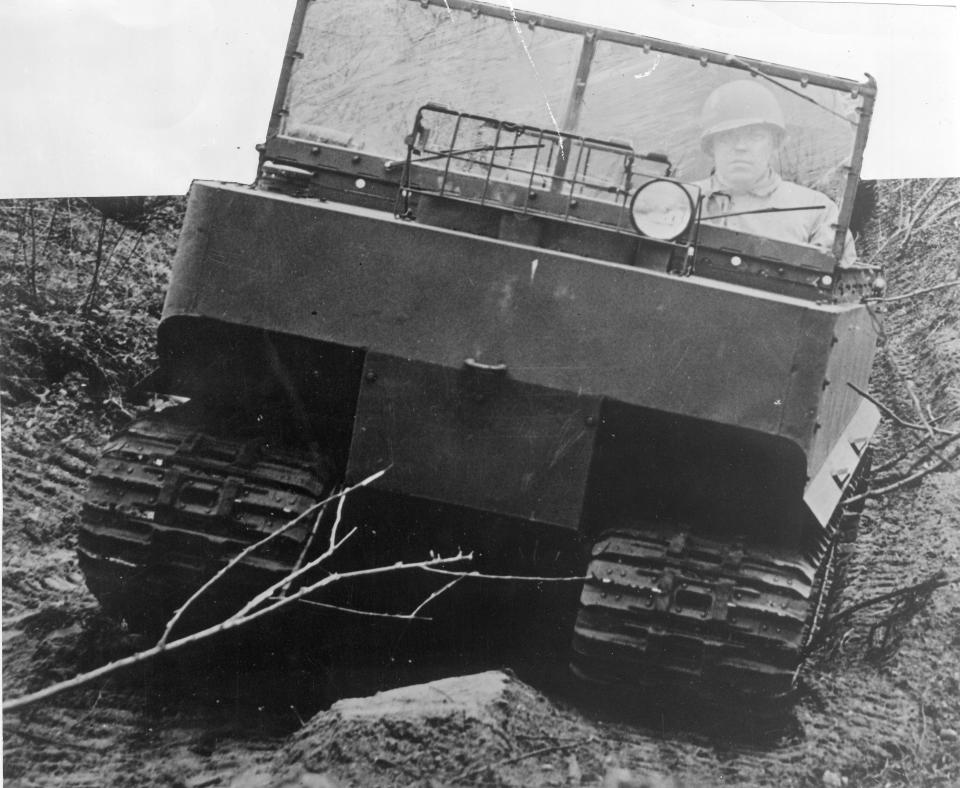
742, 130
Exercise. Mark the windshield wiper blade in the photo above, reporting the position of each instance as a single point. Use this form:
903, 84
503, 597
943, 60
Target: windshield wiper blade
758, 73
765, 210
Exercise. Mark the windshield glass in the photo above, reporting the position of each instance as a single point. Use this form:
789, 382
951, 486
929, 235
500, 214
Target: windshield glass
369, 65
366, 67
656, 101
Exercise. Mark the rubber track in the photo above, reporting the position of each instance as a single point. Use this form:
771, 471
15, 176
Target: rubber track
167, 506
664, 609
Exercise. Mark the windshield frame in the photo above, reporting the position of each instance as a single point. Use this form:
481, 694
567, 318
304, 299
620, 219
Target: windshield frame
591, 36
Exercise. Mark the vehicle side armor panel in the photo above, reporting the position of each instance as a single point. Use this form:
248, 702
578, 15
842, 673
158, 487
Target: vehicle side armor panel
352, 278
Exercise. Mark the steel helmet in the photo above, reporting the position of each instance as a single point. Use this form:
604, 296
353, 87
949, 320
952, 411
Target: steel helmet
743, 102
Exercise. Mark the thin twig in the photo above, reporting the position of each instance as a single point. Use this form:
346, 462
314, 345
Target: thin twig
307, 544
912, 391
49, 230
92, 708
902, 422
343, 499
250, 615
178, 614
898, 484
332, 547
919, 208
506, 761
934, 449
32, 269
915, 214
268, 593
898, 458
355, 611
414, 615
527, 578
927, 586
116, 245
948, 207
904, 453
914, 293
433, 596
126, 260
88, 302
923, 587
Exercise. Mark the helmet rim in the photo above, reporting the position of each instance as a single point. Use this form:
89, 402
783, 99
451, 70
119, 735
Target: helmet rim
739, 104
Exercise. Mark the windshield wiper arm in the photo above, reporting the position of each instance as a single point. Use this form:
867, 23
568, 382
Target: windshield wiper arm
758, 73
764, 210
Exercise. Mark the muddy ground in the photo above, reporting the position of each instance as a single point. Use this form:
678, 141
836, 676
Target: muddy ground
880, 699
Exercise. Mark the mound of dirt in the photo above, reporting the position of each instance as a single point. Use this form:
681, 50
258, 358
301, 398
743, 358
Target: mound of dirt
486, 726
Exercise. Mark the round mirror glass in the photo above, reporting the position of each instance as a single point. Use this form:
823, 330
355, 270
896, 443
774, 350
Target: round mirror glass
661, 209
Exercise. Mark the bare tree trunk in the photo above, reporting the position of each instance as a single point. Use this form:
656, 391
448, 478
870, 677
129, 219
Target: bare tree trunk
89, 301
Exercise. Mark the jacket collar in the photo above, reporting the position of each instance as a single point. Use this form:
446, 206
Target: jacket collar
764, 187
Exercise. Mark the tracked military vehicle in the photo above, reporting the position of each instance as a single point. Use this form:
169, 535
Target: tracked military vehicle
477, 255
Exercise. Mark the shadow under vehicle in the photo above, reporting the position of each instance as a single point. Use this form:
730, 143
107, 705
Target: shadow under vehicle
449, 267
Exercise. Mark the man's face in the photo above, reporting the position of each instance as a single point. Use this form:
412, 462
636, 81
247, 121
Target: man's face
742, 156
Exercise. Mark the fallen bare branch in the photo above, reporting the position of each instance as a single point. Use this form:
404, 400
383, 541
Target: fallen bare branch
935, 449
911, 387
912, 391
227, 625
904, 453
898, 484
923, 588
932, 583
900, 456
252, 610
914, 293
899, 420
